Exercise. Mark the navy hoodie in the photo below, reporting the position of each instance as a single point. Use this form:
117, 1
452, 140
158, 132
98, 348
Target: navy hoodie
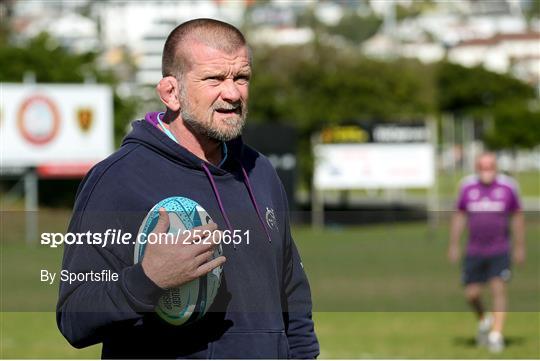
263, 306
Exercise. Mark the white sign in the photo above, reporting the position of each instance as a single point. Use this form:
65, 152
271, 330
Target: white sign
374, 165
54, 124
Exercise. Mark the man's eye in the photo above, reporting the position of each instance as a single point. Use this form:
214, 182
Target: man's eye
242, 79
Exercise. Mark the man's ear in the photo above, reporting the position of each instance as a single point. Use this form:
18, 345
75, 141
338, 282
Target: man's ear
168, 91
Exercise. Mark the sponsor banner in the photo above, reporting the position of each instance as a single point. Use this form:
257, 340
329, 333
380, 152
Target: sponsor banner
376, 132
374, 165
58, 124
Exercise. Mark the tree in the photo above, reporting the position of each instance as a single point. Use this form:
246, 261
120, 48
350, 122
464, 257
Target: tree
356, 28
516, 126
532, 10
317, 85
477, 92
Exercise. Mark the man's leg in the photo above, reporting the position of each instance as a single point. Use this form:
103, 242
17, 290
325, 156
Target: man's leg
473, 294
499, 273
498, 291
474, 278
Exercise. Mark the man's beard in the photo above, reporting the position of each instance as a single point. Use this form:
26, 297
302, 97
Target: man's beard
233, 126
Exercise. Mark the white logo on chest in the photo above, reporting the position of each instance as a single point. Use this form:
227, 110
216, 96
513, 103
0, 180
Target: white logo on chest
485, 205
271, 218
498, 193
474, 194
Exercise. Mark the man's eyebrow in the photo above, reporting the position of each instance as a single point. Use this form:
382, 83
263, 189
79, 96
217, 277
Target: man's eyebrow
244, 72
221, 73
213, 72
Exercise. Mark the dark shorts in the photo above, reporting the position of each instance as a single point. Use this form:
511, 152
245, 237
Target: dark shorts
479, 269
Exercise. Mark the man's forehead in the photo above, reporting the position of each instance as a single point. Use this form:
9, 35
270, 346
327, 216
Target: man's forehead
206, 56
487, 161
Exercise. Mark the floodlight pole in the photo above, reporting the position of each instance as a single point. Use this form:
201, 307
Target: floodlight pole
31, 205
433, 191
317, 208
30, 188
449, 140
467, 141
317, 197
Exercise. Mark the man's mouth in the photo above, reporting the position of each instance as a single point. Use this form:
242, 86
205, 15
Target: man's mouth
235, 110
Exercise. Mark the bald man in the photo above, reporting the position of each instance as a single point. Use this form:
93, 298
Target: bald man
192, 149
487, 200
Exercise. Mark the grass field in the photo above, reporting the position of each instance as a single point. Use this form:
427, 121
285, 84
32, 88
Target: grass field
341, 335
382, 291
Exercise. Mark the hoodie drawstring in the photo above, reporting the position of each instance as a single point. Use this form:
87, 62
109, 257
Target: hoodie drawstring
254, 202
251, 196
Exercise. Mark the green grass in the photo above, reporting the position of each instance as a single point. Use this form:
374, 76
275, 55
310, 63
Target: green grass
341, 335
420, 335
382, 291
34, 335
399, 268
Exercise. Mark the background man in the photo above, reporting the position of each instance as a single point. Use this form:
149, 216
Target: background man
192, 149
487, 200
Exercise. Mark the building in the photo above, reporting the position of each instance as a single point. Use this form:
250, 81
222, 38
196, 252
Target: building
517, 53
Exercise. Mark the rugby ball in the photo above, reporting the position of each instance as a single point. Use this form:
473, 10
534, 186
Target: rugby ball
189, 302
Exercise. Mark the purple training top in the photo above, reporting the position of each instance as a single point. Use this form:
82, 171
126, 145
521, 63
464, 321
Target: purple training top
488, 208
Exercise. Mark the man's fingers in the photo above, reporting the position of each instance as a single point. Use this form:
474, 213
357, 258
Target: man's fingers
162, 225
207, 242
196, 234
203, 257
209, 266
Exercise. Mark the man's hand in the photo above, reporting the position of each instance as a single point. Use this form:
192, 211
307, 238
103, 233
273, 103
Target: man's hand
456, 229
453, 253
518, 232
519, 255
172, 265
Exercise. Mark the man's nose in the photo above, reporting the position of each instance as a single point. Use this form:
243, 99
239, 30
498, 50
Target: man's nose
230, 92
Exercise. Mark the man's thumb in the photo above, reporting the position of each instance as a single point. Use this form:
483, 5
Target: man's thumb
162, 225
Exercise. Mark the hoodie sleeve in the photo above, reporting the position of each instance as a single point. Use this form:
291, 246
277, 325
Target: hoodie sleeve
89, 311
303, 343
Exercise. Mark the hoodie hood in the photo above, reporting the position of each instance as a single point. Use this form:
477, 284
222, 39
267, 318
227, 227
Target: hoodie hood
146, 132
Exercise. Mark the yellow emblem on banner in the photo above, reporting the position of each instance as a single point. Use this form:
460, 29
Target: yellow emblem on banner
85, 116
